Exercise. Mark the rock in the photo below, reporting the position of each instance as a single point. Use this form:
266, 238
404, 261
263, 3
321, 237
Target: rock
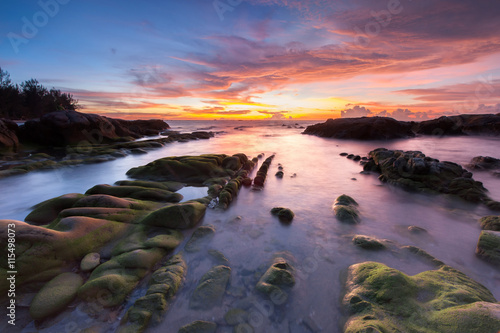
488, 246
138, 151
113, 280
416, 230
90, 261
278, 276
366, 128
383, 299
8, 135
136, 192
260, 179
414, 171
199, 326
185, 169
284, 214
48, 210
211, 288
490, 223
236, 316
472, 124
345, 209
167, 186
280, 174
67, 127
484, 163
243, 328
55, 295
180, 216
368, 243
200, 236
344, 154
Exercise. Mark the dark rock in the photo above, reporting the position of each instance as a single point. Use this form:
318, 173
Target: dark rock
199, 326
488, 246
280, 174
484, 163
211, 288
62, 128
366, 128
345, 209
284, 214
8, 135
278, 276
368, 243
472, 124
490, 223
260, 179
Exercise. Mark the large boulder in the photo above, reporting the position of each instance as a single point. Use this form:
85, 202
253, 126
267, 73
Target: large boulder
484, 163
277, 277
346, 210
382, 299
365, 128
472, 124
488, 246
8, 135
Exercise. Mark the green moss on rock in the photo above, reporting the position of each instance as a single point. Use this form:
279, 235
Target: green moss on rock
488, 246
136, 192
490, 223
47, 211
211, 288
201, 236
383, 299
345, 209
284, 214
55, 295
199, 326
181, 216
368, 243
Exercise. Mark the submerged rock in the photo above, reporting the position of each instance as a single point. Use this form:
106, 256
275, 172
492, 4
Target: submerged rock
55, 295
383, 299
488, 246
199, 326
345, 209
490, 223
260, 179
284, 214
211, 288
278, 276
201, 236
368, 243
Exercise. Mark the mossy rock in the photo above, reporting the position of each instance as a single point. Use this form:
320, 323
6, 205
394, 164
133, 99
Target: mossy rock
199, 326
156, 304
55, 295
368, 243
346, 214
488, 246
284, 214
168, 186
113, 280
345, 209
185, 169
278, 276
48, 210
107, 201
167, 242
345, 200
90, 261
490, 223
236, 316
169, 277
181, 216
218, 257
383, 299
201, 235
211, 288
136, 192
123, 215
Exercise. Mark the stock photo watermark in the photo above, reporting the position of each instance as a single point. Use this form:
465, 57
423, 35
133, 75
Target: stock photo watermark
31, 25
11, 273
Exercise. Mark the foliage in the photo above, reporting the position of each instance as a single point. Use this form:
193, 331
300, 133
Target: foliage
30, 99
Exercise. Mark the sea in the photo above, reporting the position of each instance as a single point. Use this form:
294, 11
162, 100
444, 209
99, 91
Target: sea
321, 247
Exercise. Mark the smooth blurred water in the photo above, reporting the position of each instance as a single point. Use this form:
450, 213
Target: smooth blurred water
321, 246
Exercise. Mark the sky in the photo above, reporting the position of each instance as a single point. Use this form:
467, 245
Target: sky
257, 59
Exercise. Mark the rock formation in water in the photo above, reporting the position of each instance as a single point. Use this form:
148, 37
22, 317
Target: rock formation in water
346, 209
382, 299
414, 171
383, 128
260, 179
8, 135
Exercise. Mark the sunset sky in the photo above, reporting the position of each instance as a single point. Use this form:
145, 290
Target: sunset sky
259, 58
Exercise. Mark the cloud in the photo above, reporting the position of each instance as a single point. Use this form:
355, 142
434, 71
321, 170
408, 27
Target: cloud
217, 110
276, 115
355, 112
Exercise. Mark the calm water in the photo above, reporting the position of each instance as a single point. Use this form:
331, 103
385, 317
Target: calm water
320, 245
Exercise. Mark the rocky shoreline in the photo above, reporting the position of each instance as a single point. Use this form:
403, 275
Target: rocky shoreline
68, 138
383, 128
